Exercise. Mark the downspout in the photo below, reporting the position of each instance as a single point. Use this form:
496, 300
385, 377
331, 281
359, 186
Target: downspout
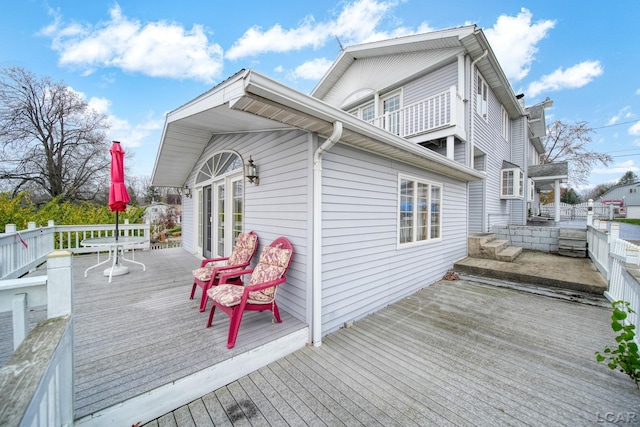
316, 326
472, 106
471, 129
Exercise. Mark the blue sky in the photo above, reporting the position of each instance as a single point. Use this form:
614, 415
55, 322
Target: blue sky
137, 60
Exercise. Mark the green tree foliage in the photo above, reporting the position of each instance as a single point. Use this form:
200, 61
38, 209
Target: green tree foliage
624, 355
20, 210
570, 196
628, 178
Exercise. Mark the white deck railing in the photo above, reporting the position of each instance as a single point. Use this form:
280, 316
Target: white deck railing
21, 251
613, 257
435, 112
37, 381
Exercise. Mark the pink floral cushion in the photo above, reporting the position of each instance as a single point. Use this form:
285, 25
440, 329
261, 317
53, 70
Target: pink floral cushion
244, 249
227, 295
272, 265
204, 273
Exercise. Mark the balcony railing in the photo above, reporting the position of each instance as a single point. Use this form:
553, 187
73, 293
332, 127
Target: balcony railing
433, 113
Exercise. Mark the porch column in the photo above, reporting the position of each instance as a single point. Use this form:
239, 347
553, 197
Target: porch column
556, 200
450, 144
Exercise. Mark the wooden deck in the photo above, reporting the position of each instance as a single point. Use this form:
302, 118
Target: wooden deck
140, 344
455, 353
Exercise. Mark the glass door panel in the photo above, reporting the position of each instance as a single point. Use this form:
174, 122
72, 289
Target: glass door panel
220, 219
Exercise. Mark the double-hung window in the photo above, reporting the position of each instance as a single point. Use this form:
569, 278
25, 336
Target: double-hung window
420, 211
482, 98
505, 124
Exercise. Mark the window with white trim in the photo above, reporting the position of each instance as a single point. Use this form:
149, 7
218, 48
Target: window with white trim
419, 211
505, 124
482, 98
391, 112
511, 183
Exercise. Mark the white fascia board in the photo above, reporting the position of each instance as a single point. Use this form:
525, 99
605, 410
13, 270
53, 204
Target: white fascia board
211, 99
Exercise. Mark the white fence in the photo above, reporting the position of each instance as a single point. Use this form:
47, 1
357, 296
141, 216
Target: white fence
21, 251
618, 261
579, 211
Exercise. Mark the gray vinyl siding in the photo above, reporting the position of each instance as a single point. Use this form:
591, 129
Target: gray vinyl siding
519, 148
431, 84
488, 138
362, 268
278, 206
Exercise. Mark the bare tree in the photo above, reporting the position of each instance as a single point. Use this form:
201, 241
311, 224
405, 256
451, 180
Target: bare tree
51, 141
565, 142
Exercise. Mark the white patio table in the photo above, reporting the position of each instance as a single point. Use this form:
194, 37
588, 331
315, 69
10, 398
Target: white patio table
113, 246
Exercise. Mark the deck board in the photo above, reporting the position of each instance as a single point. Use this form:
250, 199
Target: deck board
455, 353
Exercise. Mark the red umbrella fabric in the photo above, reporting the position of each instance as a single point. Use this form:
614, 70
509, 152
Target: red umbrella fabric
118, 195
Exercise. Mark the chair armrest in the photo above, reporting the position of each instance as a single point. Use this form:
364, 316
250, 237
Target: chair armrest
226, 276
265, 285
207, 261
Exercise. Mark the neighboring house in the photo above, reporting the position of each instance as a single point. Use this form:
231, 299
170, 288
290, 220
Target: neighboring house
377, 177
158, 212
626, 197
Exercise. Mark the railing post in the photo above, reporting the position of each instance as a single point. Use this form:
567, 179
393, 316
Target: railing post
59, 283
590, 212
20, 320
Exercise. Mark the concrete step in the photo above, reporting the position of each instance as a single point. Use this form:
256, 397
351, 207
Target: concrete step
491, 249
509, 254
476, 240
572, 242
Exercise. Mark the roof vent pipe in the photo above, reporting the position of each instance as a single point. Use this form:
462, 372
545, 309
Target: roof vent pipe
316, 324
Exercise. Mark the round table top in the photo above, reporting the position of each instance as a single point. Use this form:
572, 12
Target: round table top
110, 241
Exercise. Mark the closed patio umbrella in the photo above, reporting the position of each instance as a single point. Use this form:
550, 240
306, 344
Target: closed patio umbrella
118, 195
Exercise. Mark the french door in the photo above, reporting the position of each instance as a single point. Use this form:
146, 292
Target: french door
227, 205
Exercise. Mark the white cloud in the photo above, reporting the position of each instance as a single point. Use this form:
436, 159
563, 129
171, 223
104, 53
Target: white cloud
573, 77
637, 91
131, 135
624, 113
635, 129
157, 49
514, 41
367, 14
312, 70
618, 168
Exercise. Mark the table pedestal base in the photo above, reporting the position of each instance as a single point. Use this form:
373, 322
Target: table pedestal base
116, 270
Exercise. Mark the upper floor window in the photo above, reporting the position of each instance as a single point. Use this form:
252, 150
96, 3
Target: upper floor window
420, 211
512, 183
390, 111
482, 98
505, 124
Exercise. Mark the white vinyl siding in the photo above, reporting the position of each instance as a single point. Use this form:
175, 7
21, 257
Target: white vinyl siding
359, 229
279, 206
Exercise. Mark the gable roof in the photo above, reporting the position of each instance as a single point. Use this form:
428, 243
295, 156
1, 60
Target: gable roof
444, 45
249, 101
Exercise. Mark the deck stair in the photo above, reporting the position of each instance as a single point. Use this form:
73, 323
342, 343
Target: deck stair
485, 245
572, 242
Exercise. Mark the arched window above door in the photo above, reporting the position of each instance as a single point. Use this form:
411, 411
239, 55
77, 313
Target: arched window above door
220, 164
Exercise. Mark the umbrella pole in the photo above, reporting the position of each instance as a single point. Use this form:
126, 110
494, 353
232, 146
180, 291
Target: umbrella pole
117, 237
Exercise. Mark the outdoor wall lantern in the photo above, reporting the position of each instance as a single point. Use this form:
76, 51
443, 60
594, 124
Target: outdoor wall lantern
251, 172
187, 192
